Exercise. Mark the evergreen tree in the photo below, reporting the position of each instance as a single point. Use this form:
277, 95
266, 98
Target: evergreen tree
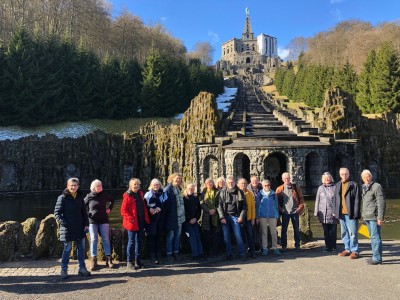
346, 79
279, 77
385, 83
21, 74
152, 74
5, 108
50, 81
129, 89
85, 71
317, 79
299, 83
363, 96
288, 83
68, 65
110, 80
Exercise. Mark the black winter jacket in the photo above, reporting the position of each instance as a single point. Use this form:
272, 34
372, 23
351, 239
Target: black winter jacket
192, 207
235, 197
352, 198
72, 215
96, 205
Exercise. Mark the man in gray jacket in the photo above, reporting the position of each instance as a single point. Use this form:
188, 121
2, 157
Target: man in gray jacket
373, 213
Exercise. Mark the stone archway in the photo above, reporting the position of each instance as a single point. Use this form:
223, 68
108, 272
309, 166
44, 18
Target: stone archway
241, 166
274, 165
127, 173
175, 167
210, 167
312, 172
341, 161
8, 175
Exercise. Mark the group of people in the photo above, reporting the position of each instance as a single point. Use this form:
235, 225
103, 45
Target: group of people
77, 215
164, 212
346, 202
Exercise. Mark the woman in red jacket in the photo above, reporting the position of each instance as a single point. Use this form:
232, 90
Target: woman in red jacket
134, 214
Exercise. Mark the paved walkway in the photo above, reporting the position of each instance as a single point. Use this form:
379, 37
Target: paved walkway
309, 273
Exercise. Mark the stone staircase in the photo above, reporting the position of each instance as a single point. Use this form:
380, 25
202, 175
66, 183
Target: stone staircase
255, 116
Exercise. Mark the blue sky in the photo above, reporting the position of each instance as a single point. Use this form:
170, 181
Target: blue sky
217, 21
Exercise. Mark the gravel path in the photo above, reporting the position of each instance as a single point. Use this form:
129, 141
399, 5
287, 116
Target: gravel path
309, 273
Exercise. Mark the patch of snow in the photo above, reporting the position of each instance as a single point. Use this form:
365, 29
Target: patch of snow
179, 117
69, 129
224, 100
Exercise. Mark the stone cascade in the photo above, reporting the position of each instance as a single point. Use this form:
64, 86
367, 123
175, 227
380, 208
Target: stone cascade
294, 123
261, 121
256, 116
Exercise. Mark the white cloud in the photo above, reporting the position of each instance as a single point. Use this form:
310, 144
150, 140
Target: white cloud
283, 53
336, 1
163, 19
214, 38
337, 13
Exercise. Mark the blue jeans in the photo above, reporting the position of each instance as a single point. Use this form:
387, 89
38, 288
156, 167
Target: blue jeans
296, 229
104, 230
376, 242
348, 230
80, 249
249, 236
193, 233
232, 222
134, 245
172, 240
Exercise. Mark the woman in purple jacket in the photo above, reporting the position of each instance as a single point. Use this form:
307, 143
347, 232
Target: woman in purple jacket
325, 211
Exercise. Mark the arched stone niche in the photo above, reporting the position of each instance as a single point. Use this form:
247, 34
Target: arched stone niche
241, 166
341, 161
128, 173
8, 175
175, 167
210, 167
313, 167
275, 164
72, 171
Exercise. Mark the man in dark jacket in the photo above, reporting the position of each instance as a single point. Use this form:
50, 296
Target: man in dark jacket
71, 214
232, 210
347, 207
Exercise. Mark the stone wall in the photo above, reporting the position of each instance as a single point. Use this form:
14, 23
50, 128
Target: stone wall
40, 239
172, 147
45, 163
376, 137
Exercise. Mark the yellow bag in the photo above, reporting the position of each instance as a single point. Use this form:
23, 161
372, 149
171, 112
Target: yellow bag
363, 230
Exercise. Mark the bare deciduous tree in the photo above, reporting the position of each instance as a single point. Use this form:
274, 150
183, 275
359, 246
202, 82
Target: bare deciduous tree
296, 46
204, 52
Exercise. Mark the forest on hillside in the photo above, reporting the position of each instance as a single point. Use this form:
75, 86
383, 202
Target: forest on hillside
87, 22
70, 60
363, 60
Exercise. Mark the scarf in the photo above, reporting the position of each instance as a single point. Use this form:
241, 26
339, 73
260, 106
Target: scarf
264, 193
180, 206
210, 201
